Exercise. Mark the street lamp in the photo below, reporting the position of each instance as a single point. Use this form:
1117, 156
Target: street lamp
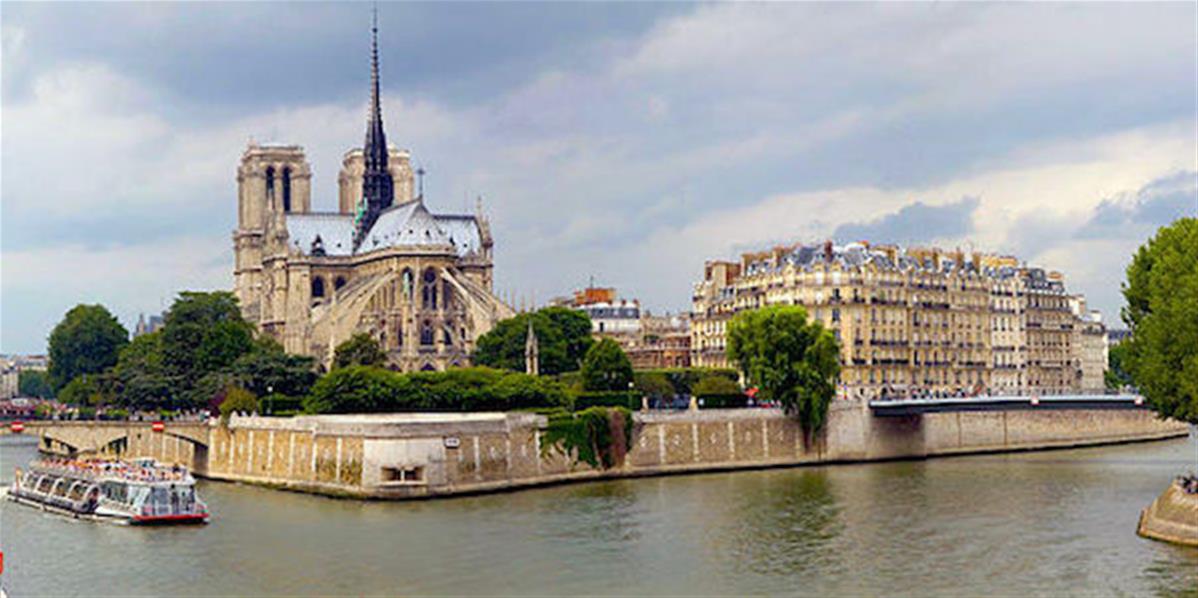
270, 391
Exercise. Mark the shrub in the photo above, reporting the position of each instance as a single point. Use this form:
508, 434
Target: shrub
712, 385
237, 400
684, 379
359, 389
609, 398
273, 404
354, 389
116, 414
654, 384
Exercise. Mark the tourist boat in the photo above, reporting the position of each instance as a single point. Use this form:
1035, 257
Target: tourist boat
138, 492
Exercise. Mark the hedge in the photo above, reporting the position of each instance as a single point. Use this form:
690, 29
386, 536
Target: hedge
609, 398
684, 379
365, 389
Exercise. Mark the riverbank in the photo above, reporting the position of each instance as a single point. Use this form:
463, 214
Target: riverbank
399, 456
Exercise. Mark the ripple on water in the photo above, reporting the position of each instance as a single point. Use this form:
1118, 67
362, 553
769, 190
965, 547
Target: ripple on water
1058, 523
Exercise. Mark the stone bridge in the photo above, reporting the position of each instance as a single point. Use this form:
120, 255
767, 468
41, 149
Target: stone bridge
178, 442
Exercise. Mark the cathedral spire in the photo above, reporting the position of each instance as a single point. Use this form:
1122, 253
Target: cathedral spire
377, 185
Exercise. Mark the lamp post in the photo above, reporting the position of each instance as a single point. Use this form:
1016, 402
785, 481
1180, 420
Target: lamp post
270, 391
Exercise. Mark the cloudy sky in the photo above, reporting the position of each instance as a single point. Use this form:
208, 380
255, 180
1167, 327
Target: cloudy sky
626, 141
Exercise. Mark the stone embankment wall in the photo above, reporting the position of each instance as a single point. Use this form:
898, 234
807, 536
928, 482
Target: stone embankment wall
1172, 517
415, 455
420, 455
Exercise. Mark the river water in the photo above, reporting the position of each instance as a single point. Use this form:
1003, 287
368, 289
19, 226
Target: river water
1050, 523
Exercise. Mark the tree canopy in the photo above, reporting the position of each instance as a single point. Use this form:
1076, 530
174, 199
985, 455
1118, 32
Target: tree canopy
203, 333
86, 341
34, 383
1162, 312
790, 359
360, 349
563, 337
606, 367
365, 389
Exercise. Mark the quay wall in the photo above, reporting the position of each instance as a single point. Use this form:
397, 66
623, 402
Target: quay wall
425, 455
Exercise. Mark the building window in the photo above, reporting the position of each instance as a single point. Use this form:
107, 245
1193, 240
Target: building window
426, 334
428, 290
317, 287
287, 189
339, 282
402, 474
408, 284
270, 183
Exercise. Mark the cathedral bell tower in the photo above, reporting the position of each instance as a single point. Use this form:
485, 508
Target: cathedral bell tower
273, 180
378, 188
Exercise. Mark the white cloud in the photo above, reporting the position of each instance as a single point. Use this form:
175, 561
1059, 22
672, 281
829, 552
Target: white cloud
128, 279
1060, 188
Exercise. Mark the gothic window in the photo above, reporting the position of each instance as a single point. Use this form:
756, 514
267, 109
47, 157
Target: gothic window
447, 333
270, 183
407, 285
426, 334
428, 367
287, 189
429, 289
339, 282
317, 287
446, 294
399, 334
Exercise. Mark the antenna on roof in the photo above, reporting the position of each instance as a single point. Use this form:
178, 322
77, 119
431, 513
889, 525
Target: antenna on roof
420, 171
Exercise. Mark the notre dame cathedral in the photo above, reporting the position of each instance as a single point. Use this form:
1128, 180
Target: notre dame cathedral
418, 282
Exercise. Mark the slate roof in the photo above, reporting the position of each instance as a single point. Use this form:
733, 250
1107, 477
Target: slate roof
407, 224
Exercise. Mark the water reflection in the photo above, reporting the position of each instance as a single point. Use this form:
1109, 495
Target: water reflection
1038, 523
784, 525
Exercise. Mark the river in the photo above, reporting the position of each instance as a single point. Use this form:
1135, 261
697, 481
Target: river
1047, 523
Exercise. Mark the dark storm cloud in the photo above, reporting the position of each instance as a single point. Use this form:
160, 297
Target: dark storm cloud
216, 59
1156, 204
914, 223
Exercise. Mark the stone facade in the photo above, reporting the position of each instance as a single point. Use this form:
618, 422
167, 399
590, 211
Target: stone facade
383, 264
910, 322
441, 454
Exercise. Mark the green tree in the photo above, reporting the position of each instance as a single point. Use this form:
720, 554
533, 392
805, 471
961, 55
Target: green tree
790, 359
238, 400
83, 391
269, 369
606, 367
1162, 313
360, 349
86, 341
563, 337
141, 378
356, 389
34, 383
203, 333
1116, 376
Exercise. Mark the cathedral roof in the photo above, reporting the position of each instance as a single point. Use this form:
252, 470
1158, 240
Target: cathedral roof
405, 225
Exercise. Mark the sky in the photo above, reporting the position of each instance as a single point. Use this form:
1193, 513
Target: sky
629, 142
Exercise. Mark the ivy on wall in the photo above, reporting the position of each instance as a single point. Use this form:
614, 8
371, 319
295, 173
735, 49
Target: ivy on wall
598, 436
